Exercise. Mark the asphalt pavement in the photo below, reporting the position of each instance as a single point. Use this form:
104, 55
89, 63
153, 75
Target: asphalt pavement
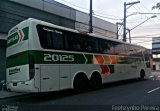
113, 96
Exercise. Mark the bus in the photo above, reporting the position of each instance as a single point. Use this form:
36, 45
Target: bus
43, 57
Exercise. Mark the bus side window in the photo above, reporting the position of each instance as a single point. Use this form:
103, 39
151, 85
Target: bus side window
104, 46
76, 46
57, 40
89, 44
51, 38
44, 37
73, 41
119, 49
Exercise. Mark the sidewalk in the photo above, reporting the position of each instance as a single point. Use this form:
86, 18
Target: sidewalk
155, 75
5, 94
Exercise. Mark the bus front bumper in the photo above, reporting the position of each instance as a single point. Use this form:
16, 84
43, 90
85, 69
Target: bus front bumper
22, 86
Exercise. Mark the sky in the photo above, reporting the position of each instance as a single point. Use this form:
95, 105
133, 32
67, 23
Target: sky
112, 11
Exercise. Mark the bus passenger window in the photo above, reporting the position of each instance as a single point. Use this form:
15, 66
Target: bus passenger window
57, 41
76, 46
73, 41
104, 47
50, 38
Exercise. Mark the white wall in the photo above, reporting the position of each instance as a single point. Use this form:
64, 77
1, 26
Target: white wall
100, 26
84, 28
97, 22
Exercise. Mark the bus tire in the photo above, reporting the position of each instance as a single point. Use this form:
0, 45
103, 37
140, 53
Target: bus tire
80, 83
142, 75
95, 81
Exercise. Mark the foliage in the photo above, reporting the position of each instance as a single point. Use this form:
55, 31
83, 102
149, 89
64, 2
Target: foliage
157, 6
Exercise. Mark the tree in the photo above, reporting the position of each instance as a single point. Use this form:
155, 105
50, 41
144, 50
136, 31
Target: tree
157, 6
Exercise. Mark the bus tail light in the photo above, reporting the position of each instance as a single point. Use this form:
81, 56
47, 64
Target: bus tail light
20, 56
31, 67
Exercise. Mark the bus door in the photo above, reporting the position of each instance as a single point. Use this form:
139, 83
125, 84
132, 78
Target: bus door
49, 78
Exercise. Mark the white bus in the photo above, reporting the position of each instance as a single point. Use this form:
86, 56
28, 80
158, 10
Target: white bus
43, 57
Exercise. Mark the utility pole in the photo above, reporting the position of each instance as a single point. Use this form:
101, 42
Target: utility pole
124, 23
90, 20
117, 24
129, 32
117, 30
129, 35
124, 19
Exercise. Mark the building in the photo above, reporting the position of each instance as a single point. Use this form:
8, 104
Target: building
156, 53
14, 11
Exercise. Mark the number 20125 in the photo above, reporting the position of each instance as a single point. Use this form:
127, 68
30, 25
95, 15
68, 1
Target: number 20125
56, 57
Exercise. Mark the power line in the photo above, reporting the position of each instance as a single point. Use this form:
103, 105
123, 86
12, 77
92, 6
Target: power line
153, 35
105, 14
68, 7
98, 13
75, 5
148, 29
102, 15
142, 28
136, 21
139, 9
142, 42
107, 17
147, 9
141, 37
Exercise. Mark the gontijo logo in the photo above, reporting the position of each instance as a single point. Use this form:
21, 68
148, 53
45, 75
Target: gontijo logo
18, 36
15, 38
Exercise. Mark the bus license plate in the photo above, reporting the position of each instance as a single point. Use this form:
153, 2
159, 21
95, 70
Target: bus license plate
14, 84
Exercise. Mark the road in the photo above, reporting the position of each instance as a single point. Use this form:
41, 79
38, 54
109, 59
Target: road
130, 92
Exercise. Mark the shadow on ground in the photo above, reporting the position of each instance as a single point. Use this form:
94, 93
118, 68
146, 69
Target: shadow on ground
42, 97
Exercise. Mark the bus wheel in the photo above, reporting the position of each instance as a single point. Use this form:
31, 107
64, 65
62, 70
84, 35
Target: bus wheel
96, 81
80, 83
142, 75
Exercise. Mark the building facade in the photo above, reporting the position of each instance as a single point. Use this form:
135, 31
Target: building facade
14, 11
156, 53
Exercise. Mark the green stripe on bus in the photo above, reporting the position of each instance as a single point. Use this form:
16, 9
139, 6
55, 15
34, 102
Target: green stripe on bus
48, 57
17, 59
111, 67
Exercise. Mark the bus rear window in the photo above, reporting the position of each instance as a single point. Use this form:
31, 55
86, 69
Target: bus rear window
50, 38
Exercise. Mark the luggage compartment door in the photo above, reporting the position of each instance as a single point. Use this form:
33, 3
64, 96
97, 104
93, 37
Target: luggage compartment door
49, 78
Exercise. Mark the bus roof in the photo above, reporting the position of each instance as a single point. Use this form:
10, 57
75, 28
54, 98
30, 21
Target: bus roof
68, 29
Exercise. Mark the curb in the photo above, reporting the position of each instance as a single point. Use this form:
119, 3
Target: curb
16, 96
